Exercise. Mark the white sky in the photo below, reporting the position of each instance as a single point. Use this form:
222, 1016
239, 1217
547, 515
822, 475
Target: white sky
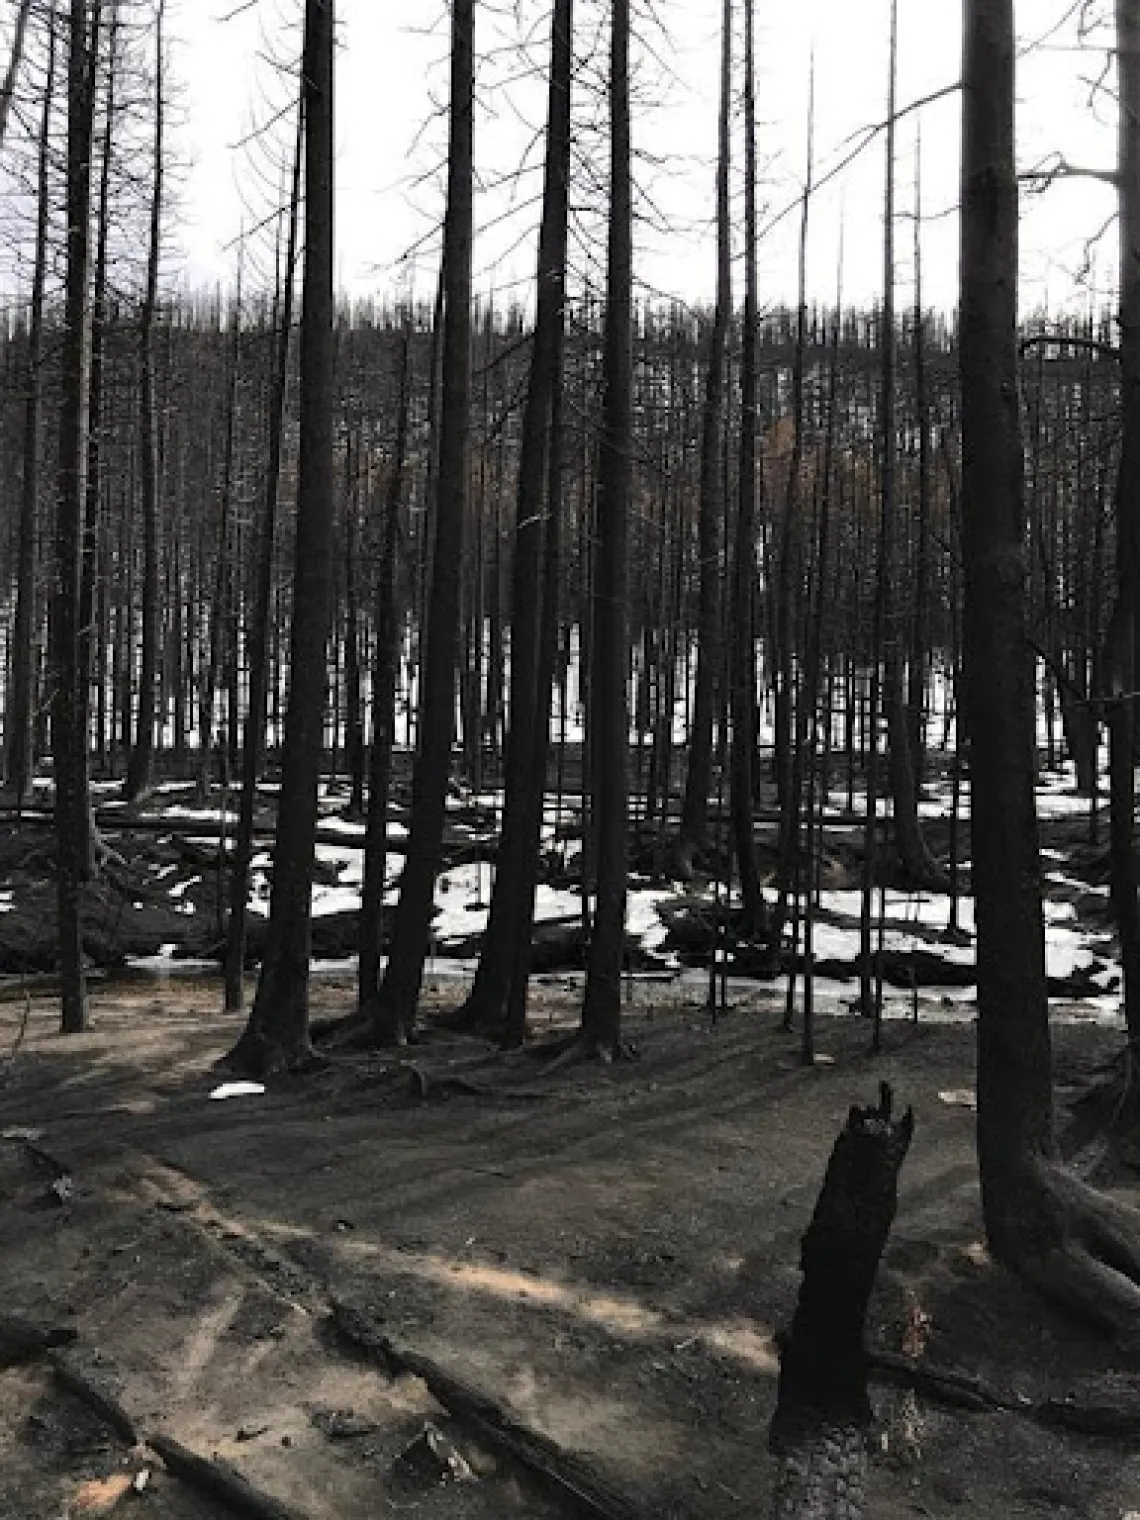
392, 64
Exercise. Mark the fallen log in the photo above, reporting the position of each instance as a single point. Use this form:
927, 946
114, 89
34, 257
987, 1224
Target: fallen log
565, 1472
102, 1404
219, 1481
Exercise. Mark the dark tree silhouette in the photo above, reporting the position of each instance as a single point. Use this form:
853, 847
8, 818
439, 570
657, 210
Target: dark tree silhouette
72, 807
1122, 703
742, 649
710, 647
1076, 1245
601, 1006
393, 1011
277, 1035
253, 743
18, 717
140, 770
527, 737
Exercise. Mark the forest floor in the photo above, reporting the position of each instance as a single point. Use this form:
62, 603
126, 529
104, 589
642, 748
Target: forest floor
608, 1252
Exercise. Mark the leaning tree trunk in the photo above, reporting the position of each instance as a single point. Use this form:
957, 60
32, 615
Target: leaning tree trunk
819, 1431
277, 1035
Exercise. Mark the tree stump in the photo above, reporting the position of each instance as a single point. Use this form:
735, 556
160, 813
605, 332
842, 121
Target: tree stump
818, 1433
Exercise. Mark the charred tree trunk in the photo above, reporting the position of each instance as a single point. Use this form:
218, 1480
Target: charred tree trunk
1074, 1244
710, 650
527, 738
1122, 705
99, 420
140, 769
72, 807
277, 1035
742, 651
18, 718
601, 1005
393, 1011
387, 621
819, 1431
257, 633
15, 58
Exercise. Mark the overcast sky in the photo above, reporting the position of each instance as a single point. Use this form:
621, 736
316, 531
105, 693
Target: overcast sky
392, 66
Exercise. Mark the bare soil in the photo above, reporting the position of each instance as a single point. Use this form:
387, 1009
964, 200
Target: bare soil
607, 1251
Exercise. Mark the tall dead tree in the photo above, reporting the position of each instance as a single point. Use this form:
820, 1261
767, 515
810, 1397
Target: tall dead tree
18, 715
69, 754
914, 857
15, 58
257, 631
742, 644
277, 1034
528, 735
710, 519
1076, 1245
384, 681
140, 768
601, 1004
1122, 704
392, 1013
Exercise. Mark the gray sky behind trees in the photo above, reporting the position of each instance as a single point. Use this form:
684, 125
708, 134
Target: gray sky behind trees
391, 69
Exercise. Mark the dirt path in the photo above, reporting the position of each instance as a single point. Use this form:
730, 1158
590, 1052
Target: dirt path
607, 1252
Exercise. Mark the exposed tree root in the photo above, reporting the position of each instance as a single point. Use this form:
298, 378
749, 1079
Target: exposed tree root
1090, 1261
579, 1049
257, 1058
355, 1032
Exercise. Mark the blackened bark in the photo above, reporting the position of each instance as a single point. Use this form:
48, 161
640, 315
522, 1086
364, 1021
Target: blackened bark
277, 1035
18, 719
917, 865
528, 735
140, 769
1015, 1101
387, 622
742, 651
601, 1005
99, 324
15, 58
823, 1411
257, 632
354, 711
393, 1012
1122, 707
212, 670
68, 739
710, 521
